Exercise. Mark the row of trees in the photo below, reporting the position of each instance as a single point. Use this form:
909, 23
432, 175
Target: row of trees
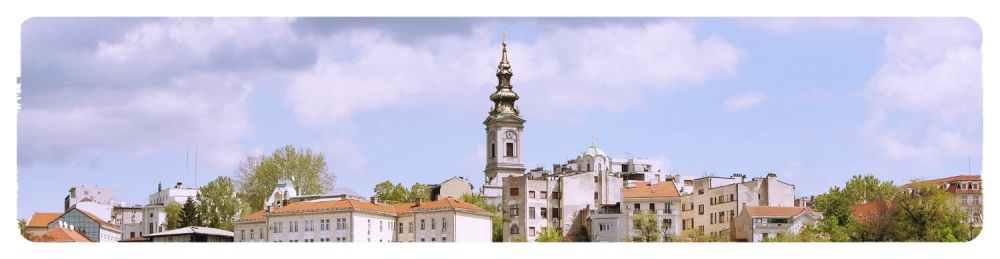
928, 214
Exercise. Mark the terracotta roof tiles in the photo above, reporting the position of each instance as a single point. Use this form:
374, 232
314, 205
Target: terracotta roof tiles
646, 190
863, 211
42, 219
952, 179
446, 203
259, 215
61, 234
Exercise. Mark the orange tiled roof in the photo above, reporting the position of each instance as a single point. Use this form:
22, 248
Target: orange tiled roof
952, 179
98, 219
61, 234
42, 219
863, 211
445, 203
646, 190
259, 215
777, 211
333, 205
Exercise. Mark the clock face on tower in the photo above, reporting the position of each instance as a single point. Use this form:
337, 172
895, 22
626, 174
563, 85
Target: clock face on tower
510, 134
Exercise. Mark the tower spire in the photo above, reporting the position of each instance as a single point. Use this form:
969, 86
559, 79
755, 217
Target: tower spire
503, 99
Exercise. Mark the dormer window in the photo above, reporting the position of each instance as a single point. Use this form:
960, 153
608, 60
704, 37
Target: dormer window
975, 186
964, 186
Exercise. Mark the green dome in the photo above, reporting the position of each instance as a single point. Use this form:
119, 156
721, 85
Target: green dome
593, 152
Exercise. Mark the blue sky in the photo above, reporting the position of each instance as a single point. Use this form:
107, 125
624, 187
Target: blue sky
123, 102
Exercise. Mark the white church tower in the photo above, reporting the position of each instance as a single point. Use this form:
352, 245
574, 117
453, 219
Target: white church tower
504, 134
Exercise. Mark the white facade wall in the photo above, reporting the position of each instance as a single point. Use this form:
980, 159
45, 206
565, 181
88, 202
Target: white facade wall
252, 231
665, 208
472, 228
110, 235
280, 227
102, 211
367, 227
616, 227
576, 195
428, 226
100, 195
179, 195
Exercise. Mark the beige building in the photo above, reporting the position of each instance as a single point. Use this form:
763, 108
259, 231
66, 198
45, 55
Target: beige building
757, 223
658, 198
454, 187
715, 201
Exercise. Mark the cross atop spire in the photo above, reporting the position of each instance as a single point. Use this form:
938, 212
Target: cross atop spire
504, 35
591, 139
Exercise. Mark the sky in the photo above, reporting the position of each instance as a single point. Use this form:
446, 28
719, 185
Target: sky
131, 102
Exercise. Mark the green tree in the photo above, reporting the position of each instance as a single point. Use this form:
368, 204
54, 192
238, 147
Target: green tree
189, 214
22, 224
388, 192
645, 227
496, 220
928, 214
257, 176
811, 234
839, 219
549, 234
173, 210
218, 205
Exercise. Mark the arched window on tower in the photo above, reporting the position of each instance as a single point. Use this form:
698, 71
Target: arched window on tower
600, 167
494, 150
510, 149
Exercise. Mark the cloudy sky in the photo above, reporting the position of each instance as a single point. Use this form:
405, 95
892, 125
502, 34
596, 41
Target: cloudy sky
126, 102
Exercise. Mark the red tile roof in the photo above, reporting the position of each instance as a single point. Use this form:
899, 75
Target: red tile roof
332, 205
259, 215
61, 234
777, 211
446, 203
85, 199
42, 219
863, 211
646, 190
952, 179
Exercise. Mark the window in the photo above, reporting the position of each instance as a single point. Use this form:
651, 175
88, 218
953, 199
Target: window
702, 191
422, 224
712, 218
624, 168
545, 213
666, 208
764, 235
444, 224
711, 200
433, 239
514, 229
588, 167
411, 227
965, 199
514, 191
636, 208
531, 194
243, 234
545, 195
433, 224
251, 234
444, 239
595, 195
975, 199
380, 226
555, 213
964, 186
400, 227
652, 207
667, 223
494, 150
595, 179
701, 209
722, 216
531, 231
975, 186
369, 226
732, 214
510, 149
531, 212
731, 196
513, 210
422, 239
555, 195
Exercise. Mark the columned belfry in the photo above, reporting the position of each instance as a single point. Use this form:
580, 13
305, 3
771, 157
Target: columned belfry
504, 128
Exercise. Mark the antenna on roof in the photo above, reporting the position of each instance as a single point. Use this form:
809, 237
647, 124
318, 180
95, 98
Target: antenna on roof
187, 161
195, 165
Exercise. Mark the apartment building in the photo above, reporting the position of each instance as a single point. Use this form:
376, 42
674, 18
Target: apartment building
757, 223
715, 201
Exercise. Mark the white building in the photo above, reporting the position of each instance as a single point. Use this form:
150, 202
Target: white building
99, 195
757, 223
129, 219
154, 216
348, 220
613, 224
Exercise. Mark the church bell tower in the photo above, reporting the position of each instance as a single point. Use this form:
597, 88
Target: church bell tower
504, 129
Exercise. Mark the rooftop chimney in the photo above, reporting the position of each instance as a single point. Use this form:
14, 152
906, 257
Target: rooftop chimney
179, 185
654, 181
417, 200
374, 199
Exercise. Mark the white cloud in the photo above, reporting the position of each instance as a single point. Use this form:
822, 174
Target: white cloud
563, 74
740, 102
931, 80
785, 25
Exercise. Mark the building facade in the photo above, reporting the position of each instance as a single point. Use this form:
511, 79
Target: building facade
757, 223
715, 201
967, 193
88, 224
154, 215
454, 187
